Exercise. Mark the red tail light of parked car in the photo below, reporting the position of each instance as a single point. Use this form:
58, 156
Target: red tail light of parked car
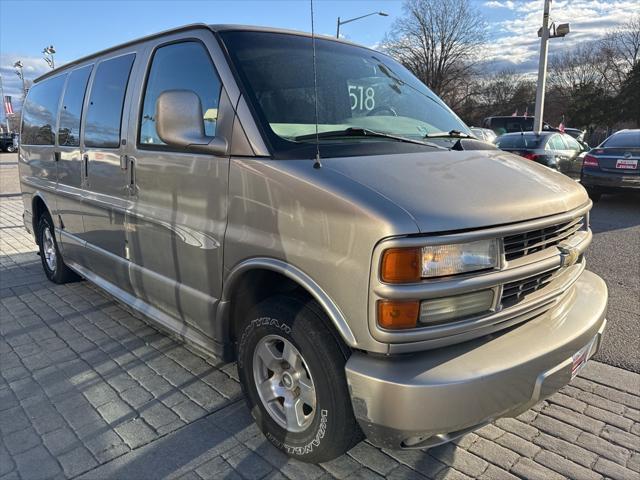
590, 162
531, 156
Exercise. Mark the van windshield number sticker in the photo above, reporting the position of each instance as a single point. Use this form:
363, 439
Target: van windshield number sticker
362, 98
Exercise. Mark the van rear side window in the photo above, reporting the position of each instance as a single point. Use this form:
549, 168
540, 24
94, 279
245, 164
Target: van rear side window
104, 115
69, 129
41, 112
180, 66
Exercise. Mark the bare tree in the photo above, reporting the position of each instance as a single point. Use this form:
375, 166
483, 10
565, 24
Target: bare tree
576, 68
627, 39
619, 52
438, 41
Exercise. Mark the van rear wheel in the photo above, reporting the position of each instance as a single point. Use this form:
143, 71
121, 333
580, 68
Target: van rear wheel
54, 267
292, 371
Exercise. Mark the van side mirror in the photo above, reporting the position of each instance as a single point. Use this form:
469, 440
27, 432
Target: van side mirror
180, 123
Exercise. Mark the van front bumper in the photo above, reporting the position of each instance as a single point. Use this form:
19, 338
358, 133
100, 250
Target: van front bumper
422, 400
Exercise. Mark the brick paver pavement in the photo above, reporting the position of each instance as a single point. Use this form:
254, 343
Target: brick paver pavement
88, 389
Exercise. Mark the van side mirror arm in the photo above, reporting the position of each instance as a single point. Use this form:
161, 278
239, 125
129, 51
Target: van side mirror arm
180, 123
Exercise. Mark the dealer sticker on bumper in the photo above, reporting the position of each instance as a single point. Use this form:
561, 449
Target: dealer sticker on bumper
581, 356
625, 164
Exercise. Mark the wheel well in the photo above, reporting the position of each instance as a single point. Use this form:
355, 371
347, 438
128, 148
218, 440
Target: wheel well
39, 208
253, 287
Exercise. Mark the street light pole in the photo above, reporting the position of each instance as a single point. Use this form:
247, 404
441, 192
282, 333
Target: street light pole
48, 55
4, 105
542, 69
340, 22
19, 71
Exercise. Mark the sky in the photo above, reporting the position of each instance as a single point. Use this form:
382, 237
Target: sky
80, 27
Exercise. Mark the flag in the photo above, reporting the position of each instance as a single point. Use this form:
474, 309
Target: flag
8, 107
515, 114
526, 111
561, 126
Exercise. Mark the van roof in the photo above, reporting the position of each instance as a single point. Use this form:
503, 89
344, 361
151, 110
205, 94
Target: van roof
193, 26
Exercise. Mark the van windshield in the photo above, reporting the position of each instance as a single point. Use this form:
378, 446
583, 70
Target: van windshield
358, 89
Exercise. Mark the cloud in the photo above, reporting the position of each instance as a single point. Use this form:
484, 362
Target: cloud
495, 4
516, 43
11, 83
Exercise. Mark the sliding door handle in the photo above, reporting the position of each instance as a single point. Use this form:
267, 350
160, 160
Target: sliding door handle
133, 188
85, 165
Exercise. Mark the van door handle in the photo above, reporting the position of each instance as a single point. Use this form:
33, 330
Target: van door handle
133, 189
124, 161
85, 165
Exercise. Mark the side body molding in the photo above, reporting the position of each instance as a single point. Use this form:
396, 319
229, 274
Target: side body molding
305, 281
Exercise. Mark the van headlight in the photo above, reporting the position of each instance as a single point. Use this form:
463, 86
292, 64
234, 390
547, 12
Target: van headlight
406, 265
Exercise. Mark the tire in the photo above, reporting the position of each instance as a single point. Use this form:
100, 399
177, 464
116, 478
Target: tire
54, 267
594, 195
322, 432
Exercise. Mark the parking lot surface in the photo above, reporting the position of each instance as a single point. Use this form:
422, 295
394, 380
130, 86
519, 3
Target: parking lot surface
89, 390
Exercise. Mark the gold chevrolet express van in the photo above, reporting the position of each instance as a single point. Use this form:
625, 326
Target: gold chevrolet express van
389, 276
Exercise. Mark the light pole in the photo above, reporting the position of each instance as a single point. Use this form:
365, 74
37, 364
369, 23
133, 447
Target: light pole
49, 52
342, 22
545, 34
19, 71
4, 105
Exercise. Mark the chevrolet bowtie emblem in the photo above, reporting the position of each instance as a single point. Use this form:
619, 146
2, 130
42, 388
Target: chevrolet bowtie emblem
568, 255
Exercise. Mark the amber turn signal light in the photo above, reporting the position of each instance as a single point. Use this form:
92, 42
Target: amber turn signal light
398, 315
400, 265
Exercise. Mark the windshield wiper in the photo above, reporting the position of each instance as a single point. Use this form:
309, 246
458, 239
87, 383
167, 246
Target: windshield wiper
450, 134
362, 132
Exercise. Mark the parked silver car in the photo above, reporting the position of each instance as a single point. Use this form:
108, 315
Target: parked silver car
377, 277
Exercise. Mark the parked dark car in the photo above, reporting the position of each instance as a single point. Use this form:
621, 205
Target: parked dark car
614, 165
509, 124
553, 149
7, 142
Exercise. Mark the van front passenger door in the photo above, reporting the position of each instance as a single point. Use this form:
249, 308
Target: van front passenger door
179, 209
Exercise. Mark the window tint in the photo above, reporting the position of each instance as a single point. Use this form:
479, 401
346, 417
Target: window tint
180, 66
556, 143
41, 111
102, 124
69, 129
518, 141
623, 140
571, 142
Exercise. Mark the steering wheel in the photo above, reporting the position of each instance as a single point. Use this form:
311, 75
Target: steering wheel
383, 108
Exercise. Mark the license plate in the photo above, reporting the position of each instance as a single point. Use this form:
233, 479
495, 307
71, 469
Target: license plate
580, 358
627, 164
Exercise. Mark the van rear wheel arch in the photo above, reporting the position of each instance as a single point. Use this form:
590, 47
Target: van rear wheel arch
38, 209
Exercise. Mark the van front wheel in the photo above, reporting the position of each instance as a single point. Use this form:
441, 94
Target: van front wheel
292, 373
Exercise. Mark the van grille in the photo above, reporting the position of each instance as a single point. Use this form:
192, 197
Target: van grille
513, 292
516, 246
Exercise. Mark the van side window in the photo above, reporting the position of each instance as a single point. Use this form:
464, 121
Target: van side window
41, 111
104, 115
180, 66
69, 129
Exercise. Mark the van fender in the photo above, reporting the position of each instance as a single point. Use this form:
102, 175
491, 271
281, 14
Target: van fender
293, 273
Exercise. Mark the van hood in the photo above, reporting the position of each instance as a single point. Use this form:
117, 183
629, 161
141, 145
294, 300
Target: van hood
456, 190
